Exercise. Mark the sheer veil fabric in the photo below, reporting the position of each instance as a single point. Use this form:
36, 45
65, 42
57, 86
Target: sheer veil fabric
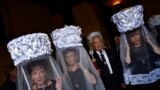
74, 59
154, 25
139, 50
36, 68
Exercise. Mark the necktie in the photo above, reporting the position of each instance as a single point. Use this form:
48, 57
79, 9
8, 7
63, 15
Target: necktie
104, 62
118, 50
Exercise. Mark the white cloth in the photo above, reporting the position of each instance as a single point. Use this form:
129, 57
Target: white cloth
69, 36
129, 18
29, 46
154, 20
129, 23
71, 54
31, 53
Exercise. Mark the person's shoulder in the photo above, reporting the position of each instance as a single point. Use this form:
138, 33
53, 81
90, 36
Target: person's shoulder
108, 49
8, 85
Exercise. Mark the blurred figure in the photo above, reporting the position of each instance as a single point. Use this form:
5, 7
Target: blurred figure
116, 47
38, 73
37, 69
117, 51
74, 59
139, 51
75, 70
154, 24
11, 77
135, 48
106, 61
117, 43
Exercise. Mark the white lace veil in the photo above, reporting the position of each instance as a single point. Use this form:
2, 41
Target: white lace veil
84, 76
141, 61
30, 53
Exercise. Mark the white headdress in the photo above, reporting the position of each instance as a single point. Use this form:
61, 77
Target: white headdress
29, 46
154, 20
66, 40
31, 51
129, 18
127, 21
93, 34
67, 37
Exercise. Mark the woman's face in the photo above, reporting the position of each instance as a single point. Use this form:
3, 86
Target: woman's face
38, 75
135, 38
97, 43
71, 58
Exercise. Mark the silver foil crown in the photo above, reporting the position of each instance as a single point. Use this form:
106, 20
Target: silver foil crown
129, 18
29, 46
154, 20
68, 36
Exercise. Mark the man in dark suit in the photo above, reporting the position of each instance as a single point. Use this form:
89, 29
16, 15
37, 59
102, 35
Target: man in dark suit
106, 60
116, 49
117, 42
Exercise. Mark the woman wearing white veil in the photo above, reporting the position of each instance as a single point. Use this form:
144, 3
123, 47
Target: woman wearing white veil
36, 68
74, 59
139, 51
154, 24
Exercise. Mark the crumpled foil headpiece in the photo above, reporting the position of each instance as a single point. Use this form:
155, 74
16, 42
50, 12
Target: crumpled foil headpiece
154, 20
129, 18
69, 36
93, 34
29, 46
